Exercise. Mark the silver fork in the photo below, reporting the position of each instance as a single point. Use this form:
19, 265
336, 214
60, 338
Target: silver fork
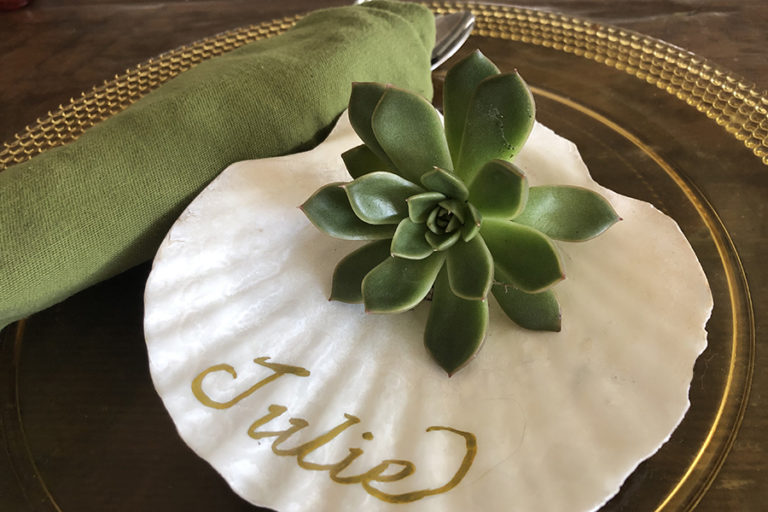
452, 32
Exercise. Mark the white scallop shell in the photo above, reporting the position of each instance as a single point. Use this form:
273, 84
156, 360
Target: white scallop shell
560, 419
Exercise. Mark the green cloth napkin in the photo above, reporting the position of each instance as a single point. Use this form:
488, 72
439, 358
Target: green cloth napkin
83, 212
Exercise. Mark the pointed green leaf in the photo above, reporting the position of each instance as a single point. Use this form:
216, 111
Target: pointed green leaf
421, 205
349, 273
454, 224
362, 102
460, 84
470, 269
499, 119
329, 210
535, 311
567, 213
399, 284
528, 258
442, 241
379, 197
360, 160
456, 207
499, 190
409, 241
472, 225
446, 183
455, 327
409, 129
432, 221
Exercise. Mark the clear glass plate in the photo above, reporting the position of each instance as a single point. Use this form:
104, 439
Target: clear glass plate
84, 430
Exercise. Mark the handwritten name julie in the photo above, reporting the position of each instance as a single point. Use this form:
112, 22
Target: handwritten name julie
379, 473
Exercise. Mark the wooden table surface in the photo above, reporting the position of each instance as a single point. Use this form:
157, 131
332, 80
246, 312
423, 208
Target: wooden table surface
52, 50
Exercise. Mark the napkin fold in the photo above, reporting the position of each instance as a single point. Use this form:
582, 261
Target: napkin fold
86, 211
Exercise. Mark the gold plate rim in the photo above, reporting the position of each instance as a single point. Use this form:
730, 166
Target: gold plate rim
684, 493
730, 101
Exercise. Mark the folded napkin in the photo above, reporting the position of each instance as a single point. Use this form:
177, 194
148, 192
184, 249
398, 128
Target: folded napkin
83, 212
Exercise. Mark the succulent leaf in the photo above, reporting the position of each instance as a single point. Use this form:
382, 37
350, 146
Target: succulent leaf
350, 271
499, 119
526, 257
454, 224
461, 217
460, 83
472, 225
455, 327
409, 241
470, 269
362, 102
360, 160
567, 213
421, 205
409, 130
399, 284
443, 241
535, 311
446, 183
499, 190
379, 197
432, 221
456, 207
329, 210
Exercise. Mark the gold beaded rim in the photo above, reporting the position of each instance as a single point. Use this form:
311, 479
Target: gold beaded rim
68, 122
729, 100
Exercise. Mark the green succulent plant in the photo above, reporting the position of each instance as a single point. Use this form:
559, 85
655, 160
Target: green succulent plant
447, 212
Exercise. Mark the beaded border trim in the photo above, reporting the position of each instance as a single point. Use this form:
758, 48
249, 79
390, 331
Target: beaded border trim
729, 100
68, 122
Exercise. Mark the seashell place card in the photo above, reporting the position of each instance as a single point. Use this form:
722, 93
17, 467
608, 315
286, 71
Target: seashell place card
303, 404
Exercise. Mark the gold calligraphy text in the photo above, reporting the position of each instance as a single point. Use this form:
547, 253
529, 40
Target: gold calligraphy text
389, 470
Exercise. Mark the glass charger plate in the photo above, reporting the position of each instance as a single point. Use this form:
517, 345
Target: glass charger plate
84, 430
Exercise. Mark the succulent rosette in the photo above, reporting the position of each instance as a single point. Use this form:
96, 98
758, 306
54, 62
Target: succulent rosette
447, 212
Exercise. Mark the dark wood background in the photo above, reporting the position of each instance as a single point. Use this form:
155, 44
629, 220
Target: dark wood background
52, 50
